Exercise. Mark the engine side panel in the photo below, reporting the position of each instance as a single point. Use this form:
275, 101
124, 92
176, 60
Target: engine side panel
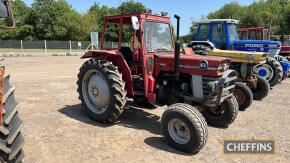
189, 64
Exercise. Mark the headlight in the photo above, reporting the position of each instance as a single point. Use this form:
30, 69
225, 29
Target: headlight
224, 66
250, 57
212, 86
278, 51
273, 52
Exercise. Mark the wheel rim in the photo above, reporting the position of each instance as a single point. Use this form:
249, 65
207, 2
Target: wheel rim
265, 71
218, 111
179, 131
96, 91
239, 96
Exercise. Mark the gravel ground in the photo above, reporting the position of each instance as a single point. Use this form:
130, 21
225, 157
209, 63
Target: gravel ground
57, 130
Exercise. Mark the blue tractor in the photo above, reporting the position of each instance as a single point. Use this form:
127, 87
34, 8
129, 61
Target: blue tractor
223, 34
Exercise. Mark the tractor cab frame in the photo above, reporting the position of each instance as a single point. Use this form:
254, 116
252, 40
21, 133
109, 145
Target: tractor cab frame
136, 57
221, 32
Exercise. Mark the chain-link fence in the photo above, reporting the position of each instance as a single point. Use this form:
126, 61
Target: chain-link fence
46, 48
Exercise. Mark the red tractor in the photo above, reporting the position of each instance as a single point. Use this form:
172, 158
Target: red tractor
11, 139
153, 69
285, 50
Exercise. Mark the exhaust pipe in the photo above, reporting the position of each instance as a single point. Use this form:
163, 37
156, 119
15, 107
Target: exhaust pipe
177, 48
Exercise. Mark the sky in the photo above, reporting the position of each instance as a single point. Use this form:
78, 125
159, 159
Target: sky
187, 9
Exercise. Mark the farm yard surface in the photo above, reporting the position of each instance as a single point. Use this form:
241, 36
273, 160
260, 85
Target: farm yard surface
56, 128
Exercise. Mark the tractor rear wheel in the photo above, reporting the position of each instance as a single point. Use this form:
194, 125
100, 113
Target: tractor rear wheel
244, 95
201, 49
101, 90
283, 59
184, 127
262, 90
11, 139
272, 71
224, 114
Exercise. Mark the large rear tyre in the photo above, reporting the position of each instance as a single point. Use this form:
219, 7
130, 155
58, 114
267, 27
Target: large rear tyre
272, 71
244, 95
224, 114
283, 59
184, 127
101, 90
11, 139
262, 90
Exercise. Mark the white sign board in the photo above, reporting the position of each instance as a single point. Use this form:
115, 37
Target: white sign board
95, 39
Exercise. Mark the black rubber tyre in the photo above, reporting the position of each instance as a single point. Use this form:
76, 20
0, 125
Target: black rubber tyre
224, 114
278, 71
201, 49
262, 90
244, 95
11, 139
194, 122
116, 90
284, 60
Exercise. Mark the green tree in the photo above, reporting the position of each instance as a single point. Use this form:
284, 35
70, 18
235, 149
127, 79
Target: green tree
131, 6
23, 30
56, 20
232, 10
265, 13
92, 20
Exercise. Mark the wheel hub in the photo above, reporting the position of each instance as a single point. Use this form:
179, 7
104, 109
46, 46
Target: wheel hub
265, 71
217, 110
179, 131
96, 91
239, 96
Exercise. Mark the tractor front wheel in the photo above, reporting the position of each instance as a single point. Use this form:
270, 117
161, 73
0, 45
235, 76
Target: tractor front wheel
101, 90
224, 114
272, 71
184, 127
262, 90
244, 95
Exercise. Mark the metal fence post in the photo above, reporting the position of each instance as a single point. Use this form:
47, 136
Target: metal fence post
69, 45
45, 48
21, 44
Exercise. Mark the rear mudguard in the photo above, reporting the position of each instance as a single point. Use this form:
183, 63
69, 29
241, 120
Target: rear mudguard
118, 60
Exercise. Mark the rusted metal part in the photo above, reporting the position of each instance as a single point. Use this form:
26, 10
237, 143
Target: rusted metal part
250, 80
2, 73
239, 96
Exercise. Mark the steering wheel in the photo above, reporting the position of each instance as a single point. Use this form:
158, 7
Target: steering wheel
160, 50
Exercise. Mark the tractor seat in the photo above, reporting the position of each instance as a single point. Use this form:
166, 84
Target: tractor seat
127, 54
